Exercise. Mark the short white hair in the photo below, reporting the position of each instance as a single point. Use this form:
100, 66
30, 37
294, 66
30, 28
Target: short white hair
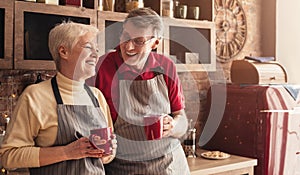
67, 34
144, 18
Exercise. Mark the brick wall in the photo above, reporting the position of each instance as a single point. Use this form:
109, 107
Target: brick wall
195, 85
13, 82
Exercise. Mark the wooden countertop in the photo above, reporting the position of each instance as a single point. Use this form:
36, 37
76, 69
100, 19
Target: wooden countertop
200, 165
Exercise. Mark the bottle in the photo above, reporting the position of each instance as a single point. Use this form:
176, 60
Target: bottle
133, 4
190, 141
167, 8
176, 9
39, 78
5, 125
7, 119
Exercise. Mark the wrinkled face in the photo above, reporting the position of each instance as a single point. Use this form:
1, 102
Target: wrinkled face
84, 57
136, 44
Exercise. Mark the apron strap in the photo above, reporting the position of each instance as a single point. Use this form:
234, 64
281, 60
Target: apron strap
56, 91
158, 70
58, 96
94, 99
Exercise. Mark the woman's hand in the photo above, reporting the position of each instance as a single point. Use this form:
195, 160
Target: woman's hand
82, 148
78, 149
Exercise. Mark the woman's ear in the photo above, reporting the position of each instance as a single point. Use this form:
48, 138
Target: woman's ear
63, 52
155, 44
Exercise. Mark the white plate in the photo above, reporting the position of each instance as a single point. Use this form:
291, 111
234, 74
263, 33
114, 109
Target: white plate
216, 155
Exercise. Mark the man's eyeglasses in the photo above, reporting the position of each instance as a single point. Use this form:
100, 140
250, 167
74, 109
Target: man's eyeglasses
139, 41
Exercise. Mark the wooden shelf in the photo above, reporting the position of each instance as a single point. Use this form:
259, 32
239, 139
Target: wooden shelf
206, 7
190, 36
29, 24
6, 34
33, 22
110, 25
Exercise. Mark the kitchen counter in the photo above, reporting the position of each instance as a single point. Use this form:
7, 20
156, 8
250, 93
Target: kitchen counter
234, 165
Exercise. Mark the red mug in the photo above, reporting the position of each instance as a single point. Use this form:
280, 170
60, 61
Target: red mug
153, 127
101, 138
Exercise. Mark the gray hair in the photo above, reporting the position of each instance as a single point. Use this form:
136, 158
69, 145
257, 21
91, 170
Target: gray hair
144, 18
67, 34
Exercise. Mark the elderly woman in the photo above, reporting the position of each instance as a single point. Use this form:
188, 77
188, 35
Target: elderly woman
41, 135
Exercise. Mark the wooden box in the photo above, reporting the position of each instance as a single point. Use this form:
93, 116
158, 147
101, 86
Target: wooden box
251, 72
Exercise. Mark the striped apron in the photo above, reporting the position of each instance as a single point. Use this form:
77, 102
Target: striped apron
73, 118
135, 154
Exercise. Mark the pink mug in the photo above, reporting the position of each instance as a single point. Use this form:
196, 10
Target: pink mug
153, 126
101, 138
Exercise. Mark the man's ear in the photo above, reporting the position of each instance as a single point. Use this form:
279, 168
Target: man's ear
155, 44
63, 52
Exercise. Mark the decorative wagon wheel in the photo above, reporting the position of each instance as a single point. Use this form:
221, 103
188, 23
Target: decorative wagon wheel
231, 28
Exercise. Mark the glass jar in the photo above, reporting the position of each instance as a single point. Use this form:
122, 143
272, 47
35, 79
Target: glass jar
133, 4
190, 141
167, 8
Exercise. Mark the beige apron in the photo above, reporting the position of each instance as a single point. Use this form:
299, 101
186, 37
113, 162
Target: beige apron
135, 154
73, 118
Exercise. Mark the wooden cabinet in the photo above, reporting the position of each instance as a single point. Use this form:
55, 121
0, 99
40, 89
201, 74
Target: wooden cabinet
184, 39
6, 34
110, 25
206, 6
33, 22
191, 43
